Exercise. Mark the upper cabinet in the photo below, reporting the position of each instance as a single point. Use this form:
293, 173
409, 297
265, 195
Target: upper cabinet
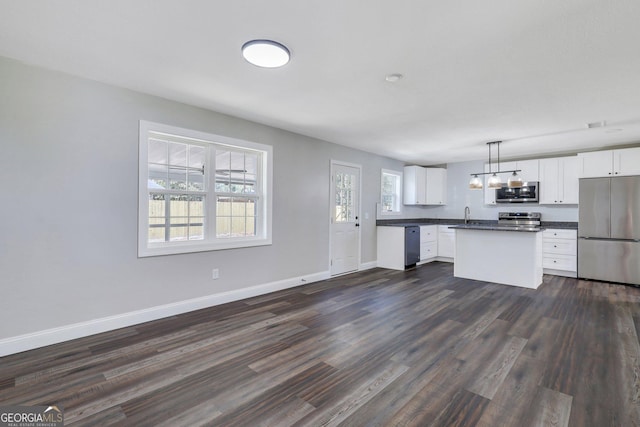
425, 186
622, 162
559, 181
436, 186
415, 185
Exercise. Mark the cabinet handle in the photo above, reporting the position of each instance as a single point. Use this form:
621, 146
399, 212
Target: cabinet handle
609, 173
554, 261
554, 246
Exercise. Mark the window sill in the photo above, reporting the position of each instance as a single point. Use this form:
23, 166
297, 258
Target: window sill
191, 247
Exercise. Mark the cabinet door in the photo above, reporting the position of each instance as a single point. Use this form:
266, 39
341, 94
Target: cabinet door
428, 233
595, 164
529, 169
415, 180
568, 183
446, 244
548, 181
428, 250
436, 193
626, 161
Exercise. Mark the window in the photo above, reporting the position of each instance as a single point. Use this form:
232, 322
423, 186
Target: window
201, 191
390, 193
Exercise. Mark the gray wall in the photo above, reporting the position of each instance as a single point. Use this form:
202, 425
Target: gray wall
68, 236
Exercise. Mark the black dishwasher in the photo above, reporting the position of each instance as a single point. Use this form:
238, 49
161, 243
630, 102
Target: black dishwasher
411, 245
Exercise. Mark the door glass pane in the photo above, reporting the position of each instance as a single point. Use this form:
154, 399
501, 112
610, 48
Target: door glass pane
344, 197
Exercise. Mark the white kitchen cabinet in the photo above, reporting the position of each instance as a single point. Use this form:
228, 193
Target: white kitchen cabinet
559, 252
528, 170
425, 186
428, 242
446, 243
436, 188
559, 181
626, 161
621, 162
415, 185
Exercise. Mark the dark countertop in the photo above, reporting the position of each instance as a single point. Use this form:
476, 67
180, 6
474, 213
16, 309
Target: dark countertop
484, 222
497, 228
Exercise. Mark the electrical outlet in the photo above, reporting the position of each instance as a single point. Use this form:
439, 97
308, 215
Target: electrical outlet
216, 274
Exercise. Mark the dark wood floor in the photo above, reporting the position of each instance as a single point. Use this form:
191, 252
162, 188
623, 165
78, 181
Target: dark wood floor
378, 347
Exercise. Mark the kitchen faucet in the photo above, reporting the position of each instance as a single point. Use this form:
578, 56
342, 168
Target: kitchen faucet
467, 214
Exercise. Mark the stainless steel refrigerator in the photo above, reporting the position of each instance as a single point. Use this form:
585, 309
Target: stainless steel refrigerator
609, 229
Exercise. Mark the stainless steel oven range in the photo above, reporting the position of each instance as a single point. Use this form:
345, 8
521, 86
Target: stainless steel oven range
520, 219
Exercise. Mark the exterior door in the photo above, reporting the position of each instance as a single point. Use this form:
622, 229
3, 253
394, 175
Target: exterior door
345, 218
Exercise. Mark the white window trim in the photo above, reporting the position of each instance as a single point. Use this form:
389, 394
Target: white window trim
399, 192
264, 228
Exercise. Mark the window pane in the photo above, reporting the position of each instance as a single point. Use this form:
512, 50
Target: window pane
179, 229
223, 227
156, 218
251, 163
195, 174
196, 228
158, 152
196, 217
196, 180
390, 192
249, 183
236, 217
177, 154
236, 171
158, 176
223, 206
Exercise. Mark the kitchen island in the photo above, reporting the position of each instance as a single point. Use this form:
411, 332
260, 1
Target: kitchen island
499, 254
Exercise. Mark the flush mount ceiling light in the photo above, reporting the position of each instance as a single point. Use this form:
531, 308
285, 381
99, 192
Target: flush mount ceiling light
494, 180
392, 78
266, 53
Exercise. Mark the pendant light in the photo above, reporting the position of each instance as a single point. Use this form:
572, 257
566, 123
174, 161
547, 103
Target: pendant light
515, 180
494, 180
475, 183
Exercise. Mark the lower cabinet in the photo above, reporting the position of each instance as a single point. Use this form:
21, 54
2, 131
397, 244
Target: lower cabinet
446, 243
559, 252
428, 242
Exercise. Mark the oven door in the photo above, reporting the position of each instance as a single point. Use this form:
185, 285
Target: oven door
525, 194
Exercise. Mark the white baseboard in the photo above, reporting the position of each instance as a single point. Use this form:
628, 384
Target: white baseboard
60, 334
368, 265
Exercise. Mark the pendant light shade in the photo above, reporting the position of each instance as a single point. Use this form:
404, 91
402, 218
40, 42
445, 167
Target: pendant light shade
475, 183
515, 180
494, 181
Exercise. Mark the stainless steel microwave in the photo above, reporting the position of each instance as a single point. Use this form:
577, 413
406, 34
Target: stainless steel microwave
528, 193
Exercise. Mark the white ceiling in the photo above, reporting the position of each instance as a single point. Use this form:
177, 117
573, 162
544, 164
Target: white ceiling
529, 72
